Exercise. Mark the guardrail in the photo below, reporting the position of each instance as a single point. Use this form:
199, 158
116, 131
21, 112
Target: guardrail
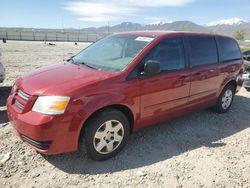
51, 36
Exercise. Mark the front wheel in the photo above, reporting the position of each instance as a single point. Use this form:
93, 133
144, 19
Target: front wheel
225, 99
106, 134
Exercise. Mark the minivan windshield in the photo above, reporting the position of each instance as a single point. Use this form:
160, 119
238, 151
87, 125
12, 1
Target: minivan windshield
112, 53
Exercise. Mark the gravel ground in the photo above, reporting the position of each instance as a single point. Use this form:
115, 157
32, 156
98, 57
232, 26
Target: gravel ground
202, 149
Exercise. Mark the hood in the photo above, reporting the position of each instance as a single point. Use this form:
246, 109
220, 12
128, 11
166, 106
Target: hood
60, 79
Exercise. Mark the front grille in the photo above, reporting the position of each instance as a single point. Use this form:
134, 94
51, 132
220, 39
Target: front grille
43, 145
21, 99
23, 95
19, 105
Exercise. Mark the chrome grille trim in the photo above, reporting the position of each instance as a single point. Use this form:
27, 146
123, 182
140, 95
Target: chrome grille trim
19, 105
23, 95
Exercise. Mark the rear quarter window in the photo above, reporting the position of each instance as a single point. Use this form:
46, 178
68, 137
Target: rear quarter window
229, 49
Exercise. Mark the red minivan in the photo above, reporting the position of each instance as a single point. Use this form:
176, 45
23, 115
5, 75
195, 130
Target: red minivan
120, 84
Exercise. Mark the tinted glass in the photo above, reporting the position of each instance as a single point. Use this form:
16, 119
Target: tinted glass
229, 49
203, 50
170, 54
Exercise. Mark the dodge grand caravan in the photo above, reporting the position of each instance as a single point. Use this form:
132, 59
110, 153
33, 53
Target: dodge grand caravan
120, 84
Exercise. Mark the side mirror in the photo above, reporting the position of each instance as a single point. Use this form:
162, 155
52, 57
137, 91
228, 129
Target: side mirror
151, 67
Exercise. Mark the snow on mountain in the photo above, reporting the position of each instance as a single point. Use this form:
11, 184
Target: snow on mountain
161, 22
232, 21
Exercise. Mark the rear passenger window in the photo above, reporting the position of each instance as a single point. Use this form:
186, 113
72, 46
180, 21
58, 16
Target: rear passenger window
170, 54
229, 49
202, 50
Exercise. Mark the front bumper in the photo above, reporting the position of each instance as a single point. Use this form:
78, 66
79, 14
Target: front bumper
46, 134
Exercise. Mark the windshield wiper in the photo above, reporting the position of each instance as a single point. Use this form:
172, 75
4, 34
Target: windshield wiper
72, 60
88, 65
82, 63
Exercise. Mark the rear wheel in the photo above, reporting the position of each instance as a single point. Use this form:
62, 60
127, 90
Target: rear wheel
106, 134
225, 99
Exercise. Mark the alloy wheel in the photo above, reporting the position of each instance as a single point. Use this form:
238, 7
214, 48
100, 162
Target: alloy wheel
108, 137
227, 99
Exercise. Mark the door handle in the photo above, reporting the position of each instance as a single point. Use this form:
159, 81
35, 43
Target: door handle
197, 74
184, 77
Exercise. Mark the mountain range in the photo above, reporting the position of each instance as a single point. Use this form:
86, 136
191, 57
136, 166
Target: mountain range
222, 26
232, 21
226, 26
230, 25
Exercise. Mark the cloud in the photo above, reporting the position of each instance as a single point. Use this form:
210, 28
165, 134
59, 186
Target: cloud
100, 10
159, 3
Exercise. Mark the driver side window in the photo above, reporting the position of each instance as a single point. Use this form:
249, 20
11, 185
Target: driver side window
170, 53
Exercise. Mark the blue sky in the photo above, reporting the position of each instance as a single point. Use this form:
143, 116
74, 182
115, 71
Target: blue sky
87, 13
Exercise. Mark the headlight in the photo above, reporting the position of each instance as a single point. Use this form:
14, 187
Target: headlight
51, 105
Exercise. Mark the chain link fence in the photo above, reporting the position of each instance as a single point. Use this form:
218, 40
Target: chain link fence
51, 36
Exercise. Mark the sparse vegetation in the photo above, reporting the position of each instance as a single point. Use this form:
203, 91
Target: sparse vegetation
245, 48
239, 35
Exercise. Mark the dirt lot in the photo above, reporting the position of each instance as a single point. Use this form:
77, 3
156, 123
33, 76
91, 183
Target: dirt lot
203, 149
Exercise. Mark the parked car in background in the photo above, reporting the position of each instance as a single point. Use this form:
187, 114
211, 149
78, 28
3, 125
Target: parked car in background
2, 71
247, 65
246, 55
246, 78
120, 84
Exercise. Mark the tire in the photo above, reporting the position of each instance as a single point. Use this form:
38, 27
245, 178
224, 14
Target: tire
106, 133
225, 99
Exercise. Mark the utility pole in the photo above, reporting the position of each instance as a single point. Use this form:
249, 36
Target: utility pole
62, 23
108, 28
79, 31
